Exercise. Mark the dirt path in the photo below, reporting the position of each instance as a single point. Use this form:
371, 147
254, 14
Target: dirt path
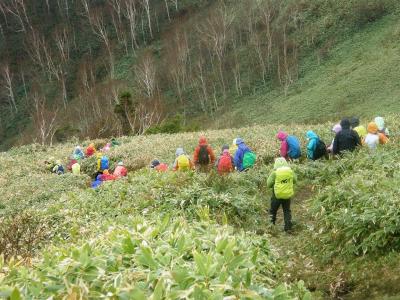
291, 248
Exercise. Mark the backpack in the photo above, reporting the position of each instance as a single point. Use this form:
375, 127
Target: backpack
320, 150
183, 163
294, 147
383, 139
249, 159
59, 169
225, 164
76, 169
104, 163
383, 131
283, 187
204, 158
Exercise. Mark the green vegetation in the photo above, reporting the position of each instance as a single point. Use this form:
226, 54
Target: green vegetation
177, 235
359, 77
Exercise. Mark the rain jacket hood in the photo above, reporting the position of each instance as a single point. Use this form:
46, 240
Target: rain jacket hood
281, 135
354, 122
337, 128
311, 135
225, 147
372, 128
179, 152
380, 122
345, 123
203, 141
280, 162
239, 141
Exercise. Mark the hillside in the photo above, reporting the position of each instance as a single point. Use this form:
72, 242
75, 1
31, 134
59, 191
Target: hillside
116, 67
196, 236
358, 77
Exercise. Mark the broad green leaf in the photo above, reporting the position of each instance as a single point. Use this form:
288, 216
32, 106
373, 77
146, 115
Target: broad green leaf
127, 245
15, 295
146, 257
159, 290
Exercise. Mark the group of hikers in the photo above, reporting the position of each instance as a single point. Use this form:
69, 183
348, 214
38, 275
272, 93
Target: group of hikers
238, 156
349, 135
102, 163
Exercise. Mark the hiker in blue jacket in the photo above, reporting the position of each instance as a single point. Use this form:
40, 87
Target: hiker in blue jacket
241, 151
312, 138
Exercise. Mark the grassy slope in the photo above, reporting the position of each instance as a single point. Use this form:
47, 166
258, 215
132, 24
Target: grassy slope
360, 77
70, 212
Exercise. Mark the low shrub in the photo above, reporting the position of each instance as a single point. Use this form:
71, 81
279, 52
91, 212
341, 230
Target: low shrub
168, 259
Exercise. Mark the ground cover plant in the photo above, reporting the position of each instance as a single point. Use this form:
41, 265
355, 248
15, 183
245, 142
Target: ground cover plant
196, 236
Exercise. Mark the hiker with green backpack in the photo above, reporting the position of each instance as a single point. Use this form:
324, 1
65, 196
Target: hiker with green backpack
244, 158
282, 181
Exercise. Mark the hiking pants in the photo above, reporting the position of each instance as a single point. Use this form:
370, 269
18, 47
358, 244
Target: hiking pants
287, 215
203, 168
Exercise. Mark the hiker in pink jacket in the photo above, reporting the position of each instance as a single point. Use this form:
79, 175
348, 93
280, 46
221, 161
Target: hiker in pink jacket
282, 136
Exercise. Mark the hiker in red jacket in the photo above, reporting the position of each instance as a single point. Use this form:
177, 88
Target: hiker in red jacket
106, 176
203, 156
90, 150
158, 166
225, 163
120, 171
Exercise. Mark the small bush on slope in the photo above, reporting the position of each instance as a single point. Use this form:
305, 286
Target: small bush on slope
162, 260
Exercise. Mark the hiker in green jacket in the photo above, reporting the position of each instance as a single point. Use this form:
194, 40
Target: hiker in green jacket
282, 181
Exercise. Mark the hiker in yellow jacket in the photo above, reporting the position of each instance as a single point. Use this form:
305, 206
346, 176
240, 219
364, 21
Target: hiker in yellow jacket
182, 161
282, 181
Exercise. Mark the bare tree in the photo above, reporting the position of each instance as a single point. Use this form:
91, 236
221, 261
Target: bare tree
145, 72
236, 68
17, 8
61, 37
44, 119
167, 8
147, 116
86, 8
116, 7
175, 2
99, 27
8, 85
130, 13
215, 35
63, 5
177, 57
33, 46
146, 6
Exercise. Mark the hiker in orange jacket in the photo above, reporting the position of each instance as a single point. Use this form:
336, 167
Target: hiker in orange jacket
203, 156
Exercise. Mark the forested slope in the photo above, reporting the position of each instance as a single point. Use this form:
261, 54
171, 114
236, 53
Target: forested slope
111, 67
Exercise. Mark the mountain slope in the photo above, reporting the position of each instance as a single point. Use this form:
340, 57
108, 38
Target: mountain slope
361, 76
119, 67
